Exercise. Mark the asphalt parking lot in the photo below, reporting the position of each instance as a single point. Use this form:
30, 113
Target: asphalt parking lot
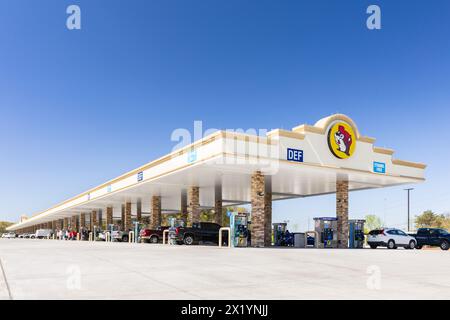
50, 269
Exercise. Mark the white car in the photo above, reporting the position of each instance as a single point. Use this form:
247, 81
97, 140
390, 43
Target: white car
390, 238
9, 235
43, 233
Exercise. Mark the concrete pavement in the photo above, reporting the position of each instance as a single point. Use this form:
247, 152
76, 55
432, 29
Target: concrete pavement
51, 269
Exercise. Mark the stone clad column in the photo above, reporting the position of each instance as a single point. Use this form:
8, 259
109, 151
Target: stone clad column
93, 219
122, 219
155, 216
218, 204
65, 223
128, 224
342, 213
261, 200
73, 223
139, 211
109, 216
184, 207
82, 220
194, 205
100, 218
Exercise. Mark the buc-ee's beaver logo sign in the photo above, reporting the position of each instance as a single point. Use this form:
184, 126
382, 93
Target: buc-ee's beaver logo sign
342, 140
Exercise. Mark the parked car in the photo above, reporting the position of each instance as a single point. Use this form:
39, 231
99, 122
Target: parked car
43, 233
152, 235
119, 235
101, 235
9, 235
390, 238
434, 237
201, 231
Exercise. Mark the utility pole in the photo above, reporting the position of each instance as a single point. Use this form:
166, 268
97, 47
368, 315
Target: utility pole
408, 190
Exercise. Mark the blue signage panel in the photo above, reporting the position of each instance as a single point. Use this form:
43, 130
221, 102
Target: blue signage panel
379, 167
140, 176
294, 155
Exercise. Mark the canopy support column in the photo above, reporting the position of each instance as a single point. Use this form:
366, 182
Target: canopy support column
109, 216
261, 200
194, 205
127, 223
218, 204
342, 213
155, 217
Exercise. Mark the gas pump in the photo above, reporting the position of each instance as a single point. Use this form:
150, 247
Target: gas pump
137, 229
326, 228
356, 233
174, 223
280, 237
239, 226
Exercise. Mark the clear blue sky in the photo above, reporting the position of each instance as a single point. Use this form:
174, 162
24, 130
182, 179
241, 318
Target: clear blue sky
81, 107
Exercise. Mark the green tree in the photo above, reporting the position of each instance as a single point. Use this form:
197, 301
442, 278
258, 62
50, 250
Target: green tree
4, 225
372, 222
446, 224
429, 219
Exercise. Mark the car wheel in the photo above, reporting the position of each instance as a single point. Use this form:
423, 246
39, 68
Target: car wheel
188, 240
412, 244
373, 246
391, 244
444, 245
125, 239
154, 239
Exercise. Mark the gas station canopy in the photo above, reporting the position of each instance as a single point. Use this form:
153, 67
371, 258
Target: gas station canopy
303, 162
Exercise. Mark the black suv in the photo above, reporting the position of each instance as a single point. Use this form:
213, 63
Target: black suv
432, 237
200, 231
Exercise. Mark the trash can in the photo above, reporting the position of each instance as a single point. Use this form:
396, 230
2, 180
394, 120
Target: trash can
299, 240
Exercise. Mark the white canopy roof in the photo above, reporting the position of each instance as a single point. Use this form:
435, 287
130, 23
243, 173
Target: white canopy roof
229, 159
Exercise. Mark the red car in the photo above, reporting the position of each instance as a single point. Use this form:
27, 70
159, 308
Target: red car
152, 236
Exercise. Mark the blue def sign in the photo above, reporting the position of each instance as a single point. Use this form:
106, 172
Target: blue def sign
294, 155
379, 167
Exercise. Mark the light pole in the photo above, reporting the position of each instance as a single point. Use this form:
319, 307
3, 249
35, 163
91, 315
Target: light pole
408, 190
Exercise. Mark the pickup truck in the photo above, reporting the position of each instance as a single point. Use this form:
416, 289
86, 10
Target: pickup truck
201, 231
434, 237
151, 235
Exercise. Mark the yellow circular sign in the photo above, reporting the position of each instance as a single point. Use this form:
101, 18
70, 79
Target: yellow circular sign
342, 140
